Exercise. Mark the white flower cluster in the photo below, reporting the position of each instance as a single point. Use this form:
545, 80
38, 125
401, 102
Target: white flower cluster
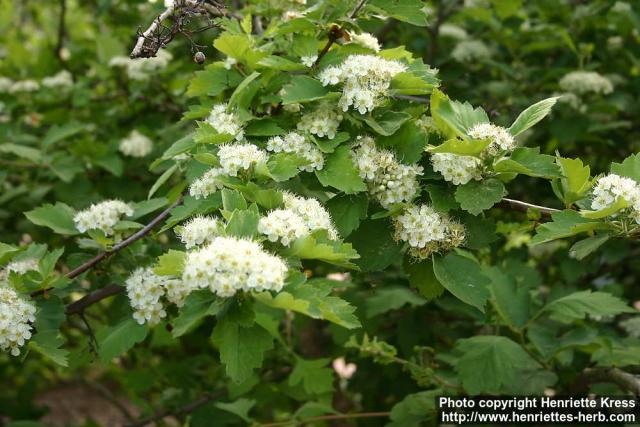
389, 181
610, 188
228, 265
583, 82
295, 143
323, 121
16, 314
198, 230
22, 86
470, 51
19, 267
102, 216
427, 231
455, 168
501, 139
314, 215
366, 40
366, 80
207, 184
236, 157
284, 225
136, 145
61, 80
453, 32
308, 61
5, 84
142, 68
224, 122
145, 290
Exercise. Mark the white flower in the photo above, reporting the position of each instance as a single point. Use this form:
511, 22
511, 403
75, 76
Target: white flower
453, 32
28, 85
228, 265
608, 189
570, 99
297, 144
427, 231
284, 225
314, 215
470, 51
366, 40
388, 180
456, 169
136, 145
323, 121
583, 82
61, 80
207, 184
145, 290
291, 14
224, 122
19, 267
622, 7
308, 61
230, 62
198, 230
142, 68
102, 216
16, 315
501, 139
236, 157
365, 78
5, 84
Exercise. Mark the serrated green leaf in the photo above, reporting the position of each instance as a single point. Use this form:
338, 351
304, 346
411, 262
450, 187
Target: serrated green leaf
462, 277
347, 212
453, 118
243, 223
387, 123
414, 409
170, 264
240, 407
575, 179
116, 340
477, 196
58, 217
529, 161
578, 305
340, 173
303, 89
375, 243
410, 11
213, 80
318, 246
389, 298
314, 375
198, 305
532, 115
422, 277
463, 147
630, 167
511, 298
564, 224
580, 250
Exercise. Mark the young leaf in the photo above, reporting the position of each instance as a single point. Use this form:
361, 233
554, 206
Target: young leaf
318, 246
575, 179
532, 115
529, 161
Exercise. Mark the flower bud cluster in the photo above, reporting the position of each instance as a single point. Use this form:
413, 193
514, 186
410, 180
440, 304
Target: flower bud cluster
16, 315
283, 225
198, 230
323, 121
297, 144
136, 145
102, 216
608, 189
224, 122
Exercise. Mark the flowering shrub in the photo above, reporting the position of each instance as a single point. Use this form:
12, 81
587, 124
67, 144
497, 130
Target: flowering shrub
314, 204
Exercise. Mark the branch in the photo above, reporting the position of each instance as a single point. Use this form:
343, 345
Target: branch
327, 417
624, 380
524, 207
137, 49
186, 409
62, 31
80, 305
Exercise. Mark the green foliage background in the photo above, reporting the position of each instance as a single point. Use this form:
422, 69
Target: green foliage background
546, 309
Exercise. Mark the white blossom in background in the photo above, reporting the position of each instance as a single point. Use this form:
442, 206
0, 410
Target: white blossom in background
5, 84
198, 230
207, 184
237, 157
22, 86
608, 189
584, 82
501, 139
308, 61
16, 315
19, 267
571, 99
427, 231
388, 180
102, 216
323, 121
631, 326
615, 42
367, 40
314, 215
295, 143
366, 80
456, 169
224, 122
283, 225
136, 145
230, 62
291, 14
61, 80
228, 265
453, 32
470, 51
142, 68
622, 7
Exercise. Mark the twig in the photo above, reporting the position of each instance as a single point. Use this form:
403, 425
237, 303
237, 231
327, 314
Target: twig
412, 98
624, 380
137, 49
186, 409
327, 417
62, 30
357, 9
80, 305
524, 207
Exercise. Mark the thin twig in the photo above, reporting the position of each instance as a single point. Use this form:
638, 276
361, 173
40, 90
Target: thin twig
78, 307
62, 30
137, 49
327, 418
186, 409
524, 207
624, 380
357, 9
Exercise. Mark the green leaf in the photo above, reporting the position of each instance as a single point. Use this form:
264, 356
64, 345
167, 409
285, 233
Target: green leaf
170, 264
279, 63
408, 83
284, 166
564, 224
375, 243
232, 200
532, 115
58, 133
116, 340
414, 409
240, 407
463, 147
267, 198
387, 123
58, 217
477, 196
238, 46
303, 89
453, 118
410, 11
511, 298
48, 340
22, 151
241, 347
422, 277
630, 167
243, 223
180, 146
212, 81
575, 179
491, 364
347, 212
263, 127
198, 305
462, 277
244, 93
318, 246
207, 134
391, 298
578, 305
408, 142
314, 375
339, 172
529, 161
162, 179
442, 197
580, 250
145, 207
